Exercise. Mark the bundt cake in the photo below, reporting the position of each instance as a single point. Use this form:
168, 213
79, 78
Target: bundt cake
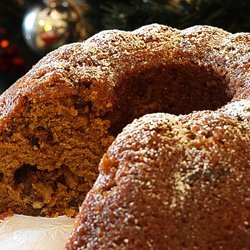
168, 181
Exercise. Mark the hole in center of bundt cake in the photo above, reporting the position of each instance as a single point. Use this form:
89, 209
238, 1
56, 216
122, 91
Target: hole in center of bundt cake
176, 89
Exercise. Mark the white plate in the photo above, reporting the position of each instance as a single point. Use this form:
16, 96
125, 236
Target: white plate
21, 232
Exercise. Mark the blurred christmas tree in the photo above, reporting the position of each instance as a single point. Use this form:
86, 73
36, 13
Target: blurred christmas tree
48, 24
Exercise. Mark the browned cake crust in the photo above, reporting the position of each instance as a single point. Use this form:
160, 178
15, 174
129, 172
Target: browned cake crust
171, 182
180, 180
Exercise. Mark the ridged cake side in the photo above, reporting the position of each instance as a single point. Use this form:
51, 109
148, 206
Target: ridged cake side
171, 182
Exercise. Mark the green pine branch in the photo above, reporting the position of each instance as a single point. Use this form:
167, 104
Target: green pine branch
228, 14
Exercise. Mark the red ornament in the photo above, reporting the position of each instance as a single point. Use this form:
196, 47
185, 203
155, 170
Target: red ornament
10, 60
